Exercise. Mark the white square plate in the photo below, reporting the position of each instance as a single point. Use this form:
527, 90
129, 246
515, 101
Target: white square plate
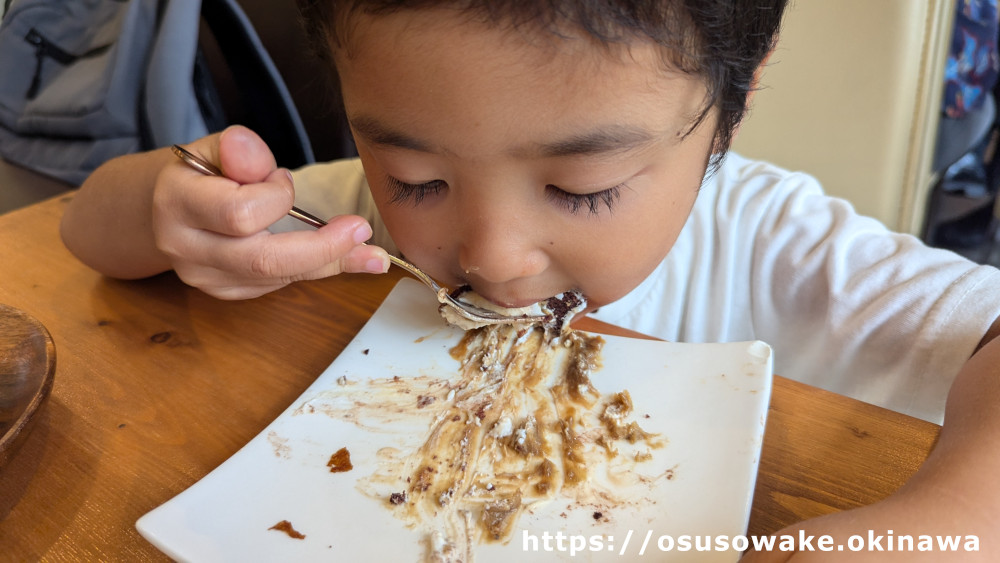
707, 401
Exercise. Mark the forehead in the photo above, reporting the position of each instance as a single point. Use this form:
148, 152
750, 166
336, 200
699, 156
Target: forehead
420, 67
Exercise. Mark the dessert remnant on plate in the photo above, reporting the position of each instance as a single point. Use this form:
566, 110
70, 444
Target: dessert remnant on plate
520, 425
286, 527
557, 310
709, 400
340, 461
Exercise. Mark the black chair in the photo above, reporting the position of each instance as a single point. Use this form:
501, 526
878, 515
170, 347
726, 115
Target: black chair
307, 78
960, 213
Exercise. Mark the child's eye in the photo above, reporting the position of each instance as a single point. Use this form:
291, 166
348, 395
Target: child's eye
401, 192
593, 202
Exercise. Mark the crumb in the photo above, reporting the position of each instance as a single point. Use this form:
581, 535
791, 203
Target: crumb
598, 515
397, 498
366, 351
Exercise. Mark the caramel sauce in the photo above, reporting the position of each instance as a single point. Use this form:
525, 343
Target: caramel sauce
340, 461
521, 423
286, 527
514, 431
499, 515
546, 473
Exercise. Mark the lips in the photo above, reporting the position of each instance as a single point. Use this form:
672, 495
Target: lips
502, 296
506, 302
511, 303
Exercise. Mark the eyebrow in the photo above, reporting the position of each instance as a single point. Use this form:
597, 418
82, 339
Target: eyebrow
381, 134
611, 139
603, 140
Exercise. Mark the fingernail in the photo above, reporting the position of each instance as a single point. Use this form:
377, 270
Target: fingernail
363, 233
377, 266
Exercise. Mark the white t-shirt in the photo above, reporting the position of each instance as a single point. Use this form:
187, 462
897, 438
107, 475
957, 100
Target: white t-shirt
846, 305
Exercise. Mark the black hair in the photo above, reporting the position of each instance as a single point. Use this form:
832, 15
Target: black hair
722, 41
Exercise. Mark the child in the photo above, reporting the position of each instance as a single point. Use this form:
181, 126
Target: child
530, 148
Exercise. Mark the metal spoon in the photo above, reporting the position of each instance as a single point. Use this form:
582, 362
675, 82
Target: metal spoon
464, 310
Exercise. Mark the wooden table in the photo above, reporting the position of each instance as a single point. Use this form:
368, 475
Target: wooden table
157, 384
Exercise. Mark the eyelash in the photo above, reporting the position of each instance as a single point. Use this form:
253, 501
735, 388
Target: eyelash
593, 202
402, 192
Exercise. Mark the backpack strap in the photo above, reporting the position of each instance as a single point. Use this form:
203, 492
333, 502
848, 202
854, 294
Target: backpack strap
168, 108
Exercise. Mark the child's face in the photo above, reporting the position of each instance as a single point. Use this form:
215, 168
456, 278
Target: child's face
521, 163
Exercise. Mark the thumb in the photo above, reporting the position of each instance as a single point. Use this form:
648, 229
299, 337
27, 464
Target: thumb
244, 156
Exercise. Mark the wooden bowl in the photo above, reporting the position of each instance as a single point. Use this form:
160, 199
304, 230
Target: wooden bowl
27, 368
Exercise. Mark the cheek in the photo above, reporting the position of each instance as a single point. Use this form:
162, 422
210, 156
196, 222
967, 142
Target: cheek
619, 256
418, 232
612, 265
421, 237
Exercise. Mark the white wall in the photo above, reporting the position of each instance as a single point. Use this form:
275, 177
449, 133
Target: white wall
851, 95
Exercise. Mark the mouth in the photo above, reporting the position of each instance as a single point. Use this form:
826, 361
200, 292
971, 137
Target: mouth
557, 311
513, 303
497, 300
502, 302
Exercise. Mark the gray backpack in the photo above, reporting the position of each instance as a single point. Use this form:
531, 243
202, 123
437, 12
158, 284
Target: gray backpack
87, 80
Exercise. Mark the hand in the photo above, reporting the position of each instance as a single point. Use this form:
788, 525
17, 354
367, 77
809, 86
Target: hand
214, 230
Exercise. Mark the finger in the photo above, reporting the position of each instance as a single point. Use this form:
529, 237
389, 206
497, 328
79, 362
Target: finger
238, 152
221, 205
226, 285
287, 257
244, 156
366, 259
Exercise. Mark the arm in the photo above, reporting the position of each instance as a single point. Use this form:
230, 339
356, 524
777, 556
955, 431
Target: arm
143, 214
954, 493
107, 224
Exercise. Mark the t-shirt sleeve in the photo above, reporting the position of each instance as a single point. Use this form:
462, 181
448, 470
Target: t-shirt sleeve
855, 308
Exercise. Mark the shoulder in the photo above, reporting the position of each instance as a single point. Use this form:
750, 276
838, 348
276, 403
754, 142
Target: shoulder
743, 185
339, 187
753, 201
331, 188
346, 171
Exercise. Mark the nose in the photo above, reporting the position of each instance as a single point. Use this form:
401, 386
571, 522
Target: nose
500, 248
